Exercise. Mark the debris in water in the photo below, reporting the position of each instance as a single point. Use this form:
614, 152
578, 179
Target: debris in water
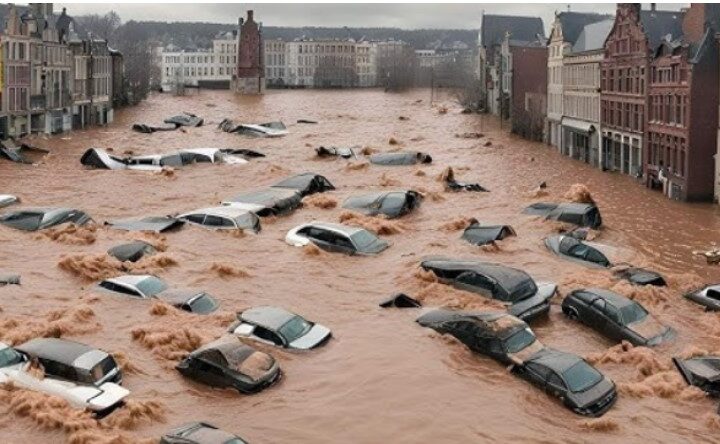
401, 300
488, 143
442, 110
393, 141
403, 118
386, 181
470, 135
354, 166
368, 150
420, 173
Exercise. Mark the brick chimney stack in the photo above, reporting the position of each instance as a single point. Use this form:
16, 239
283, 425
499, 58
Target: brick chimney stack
250, 16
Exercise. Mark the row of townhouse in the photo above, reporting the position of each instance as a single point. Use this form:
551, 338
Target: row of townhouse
53, 81
635, 93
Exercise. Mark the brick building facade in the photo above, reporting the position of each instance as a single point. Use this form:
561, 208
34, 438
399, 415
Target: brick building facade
528, 91
250, 77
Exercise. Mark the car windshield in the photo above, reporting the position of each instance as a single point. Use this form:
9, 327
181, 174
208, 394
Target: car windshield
394, 201
151, 286
363, 239
102, 368
519, 341
632, 313
203, 304
581, 377
9, 357
295, 328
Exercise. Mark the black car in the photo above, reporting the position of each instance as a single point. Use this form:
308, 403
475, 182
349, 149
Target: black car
230, 363
306, 184
389, 203
200, 433
132, 251
478, 234
566, 376
525, 298
702, 372
498, 335
271, 201
584, 215
576, 250
33, 219
615, 316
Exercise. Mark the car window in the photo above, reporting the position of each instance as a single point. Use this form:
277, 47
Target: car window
599, 304
267, 335
206, 367
579, 251
9, 357
195, 218
202, 304
318, 233
119, 289
519, 341
393, 202
295, 328
216, 221
477, 280
363, 239
596, 256
340, 240
632, 313
59, 370
581, 377
555, 381
713, 294
612, 313
539, 370
101, 369
151, 286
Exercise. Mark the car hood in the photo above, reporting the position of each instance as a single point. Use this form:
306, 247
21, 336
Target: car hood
651, 329
375, 248
545, 291
317, 334
593, 394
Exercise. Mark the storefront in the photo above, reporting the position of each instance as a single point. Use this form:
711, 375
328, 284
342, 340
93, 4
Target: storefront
580, 140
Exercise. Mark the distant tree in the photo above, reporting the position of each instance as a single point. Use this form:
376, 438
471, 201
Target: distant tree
100, 26
140, 64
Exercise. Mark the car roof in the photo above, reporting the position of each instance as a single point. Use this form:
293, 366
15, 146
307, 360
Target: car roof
345, 229
265, 196
496, 322
222, 211
266, 316
130, 279
179, 296
232, 352
506, 276
613, 298
554, 359
61, 350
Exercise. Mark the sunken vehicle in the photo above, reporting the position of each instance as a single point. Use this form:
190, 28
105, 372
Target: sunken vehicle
200, 433
277, 326
478, 234
584, 215
391, 204
568, 377
702, 372
223, 218
306, 184
615, 316
230, 363
146, 286
499, 335
34, 219
132, 251
158, 224
585, 253
515, 288
708, 297
84, 376
400, 158
269, 129
336, 238
101, 159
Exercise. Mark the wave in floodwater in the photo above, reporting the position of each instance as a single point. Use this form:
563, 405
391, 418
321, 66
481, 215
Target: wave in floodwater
382, 378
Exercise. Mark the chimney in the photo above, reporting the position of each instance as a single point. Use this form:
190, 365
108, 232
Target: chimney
653, 7
250, 16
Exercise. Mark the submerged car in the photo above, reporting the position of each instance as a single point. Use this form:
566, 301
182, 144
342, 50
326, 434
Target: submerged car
336, 238
132, 251
388, 203
708, 297
269, 201
276, 326
232, 364
270, 129
33, 219
702, 372
200, 433
98, 158
525, 299
145, 286
499, 335
7, 199
306, 184
400, 158
223, 218
579, 385
615, 316
332, 151
185, 119
576, 250
478, 234
158, 224
584, 215
82, 375
585, 253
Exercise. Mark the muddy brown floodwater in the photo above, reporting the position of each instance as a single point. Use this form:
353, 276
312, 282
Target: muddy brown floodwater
382, 378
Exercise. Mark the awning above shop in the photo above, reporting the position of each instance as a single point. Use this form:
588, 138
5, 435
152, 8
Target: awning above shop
578, 125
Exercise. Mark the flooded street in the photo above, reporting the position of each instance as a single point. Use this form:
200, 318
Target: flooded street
382, 378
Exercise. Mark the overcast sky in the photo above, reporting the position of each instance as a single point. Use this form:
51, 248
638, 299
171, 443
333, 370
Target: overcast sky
407, 16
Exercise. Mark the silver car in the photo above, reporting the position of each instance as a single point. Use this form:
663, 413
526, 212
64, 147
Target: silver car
223, 218
277, 326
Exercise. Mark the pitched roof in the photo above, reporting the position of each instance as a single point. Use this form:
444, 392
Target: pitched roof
572, 23
494, 28
593, 36
658, 24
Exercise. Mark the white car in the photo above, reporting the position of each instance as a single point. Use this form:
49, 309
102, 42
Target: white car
223, 218
277, 326
7, 199
336, 237
86, 377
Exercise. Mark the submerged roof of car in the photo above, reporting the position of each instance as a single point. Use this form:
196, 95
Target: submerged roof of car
266, 316
345, 229
63, 351
508, 276
369, 198
222, 351
203, 433
613, 298
555, 359
266, 196
494, 321
222, 211
130, 279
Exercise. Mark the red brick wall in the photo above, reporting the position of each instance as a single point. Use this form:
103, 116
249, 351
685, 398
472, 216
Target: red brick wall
529, 90
250, 62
